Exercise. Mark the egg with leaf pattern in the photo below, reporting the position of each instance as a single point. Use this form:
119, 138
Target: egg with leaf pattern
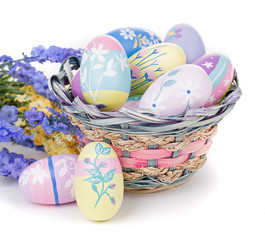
221, 72
105, 73
148, 64
182, 88
98, 182
49, 181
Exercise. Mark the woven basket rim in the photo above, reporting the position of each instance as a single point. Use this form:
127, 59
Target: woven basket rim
138, 122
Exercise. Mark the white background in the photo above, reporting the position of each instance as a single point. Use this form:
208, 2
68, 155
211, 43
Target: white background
225, 199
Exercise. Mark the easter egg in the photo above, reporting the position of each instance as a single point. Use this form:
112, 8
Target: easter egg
188, 39
49, 181
183, 88
134, 39
105, 73
132, 102
98, 182
76, 87
150, 63
220, 71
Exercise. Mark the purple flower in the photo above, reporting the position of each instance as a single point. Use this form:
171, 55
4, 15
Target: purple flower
24, 142
9, 114
13, 69
5, 58
18, 165
34, 116
53, 111
39, 53
4, 162
112, 200
46, 126
9, 131
60, 127
112, 186
4, 135
55, 54
12, 163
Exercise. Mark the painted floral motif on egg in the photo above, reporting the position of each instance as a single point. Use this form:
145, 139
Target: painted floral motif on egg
49, 181
220, 71
105, 73
177, 91
186, 37
98, 181
150, 63
134, 39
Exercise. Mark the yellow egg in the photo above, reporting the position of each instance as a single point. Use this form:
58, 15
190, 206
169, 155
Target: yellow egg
150, 63
98, 182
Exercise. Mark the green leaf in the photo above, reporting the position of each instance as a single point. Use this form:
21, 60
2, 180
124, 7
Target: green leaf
109, 175
99, 148
106, 151
169, 83
92, 171
94, 179
103, 164
173, 72
94, 187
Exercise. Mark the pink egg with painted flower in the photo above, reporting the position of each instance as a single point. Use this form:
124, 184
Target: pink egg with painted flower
182, 88
49, 181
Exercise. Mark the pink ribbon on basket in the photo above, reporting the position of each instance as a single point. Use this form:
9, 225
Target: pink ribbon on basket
140, 158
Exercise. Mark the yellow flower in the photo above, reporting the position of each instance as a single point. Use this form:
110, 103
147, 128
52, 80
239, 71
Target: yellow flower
53, 147
23, 98
22, 109
20, 122
39, 135
27, 89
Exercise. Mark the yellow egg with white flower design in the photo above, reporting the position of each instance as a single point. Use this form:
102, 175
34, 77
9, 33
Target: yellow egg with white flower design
98, 182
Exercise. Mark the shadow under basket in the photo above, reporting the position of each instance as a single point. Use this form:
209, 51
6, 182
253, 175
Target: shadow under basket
155, 153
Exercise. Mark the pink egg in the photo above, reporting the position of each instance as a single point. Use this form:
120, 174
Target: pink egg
49, 181
182, 88
76, 87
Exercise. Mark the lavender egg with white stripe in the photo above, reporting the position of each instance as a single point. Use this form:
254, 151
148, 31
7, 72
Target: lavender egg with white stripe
49, 181
221, 72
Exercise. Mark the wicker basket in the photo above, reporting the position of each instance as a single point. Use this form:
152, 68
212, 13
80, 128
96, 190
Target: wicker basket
155, 153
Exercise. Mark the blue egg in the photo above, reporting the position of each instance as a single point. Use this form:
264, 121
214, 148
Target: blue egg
134, 39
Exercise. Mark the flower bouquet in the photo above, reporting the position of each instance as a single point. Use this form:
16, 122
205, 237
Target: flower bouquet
30, 114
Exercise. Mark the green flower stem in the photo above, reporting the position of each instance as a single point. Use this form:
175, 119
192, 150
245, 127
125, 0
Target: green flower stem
108, 195
26, 59
106, 190
11, 91
101, 194
95, 162
5, 76
102, 182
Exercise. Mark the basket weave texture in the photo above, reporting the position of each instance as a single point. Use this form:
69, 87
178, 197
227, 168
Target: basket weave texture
155, 153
